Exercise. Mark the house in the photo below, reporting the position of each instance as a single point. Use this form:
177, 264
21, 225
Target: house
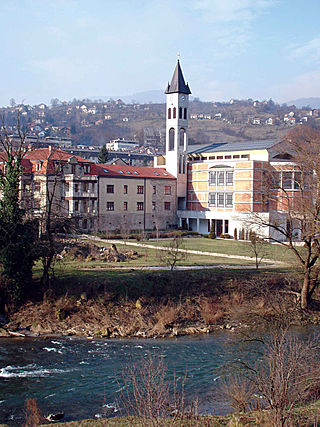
135, 198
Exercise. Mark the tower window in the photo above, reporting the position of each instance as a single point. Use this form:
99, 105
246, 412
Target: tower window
169, 113
182, 137
185, 114
180, 112
171, 139
174, 112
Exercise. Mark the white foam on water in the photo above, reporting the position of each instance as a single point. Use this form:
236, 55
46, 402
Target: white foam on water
31, 370
56, 350
56, 342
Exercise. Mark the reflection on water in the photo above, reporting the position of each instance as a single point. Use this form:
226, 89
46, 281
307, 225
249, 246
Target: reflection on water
82, 377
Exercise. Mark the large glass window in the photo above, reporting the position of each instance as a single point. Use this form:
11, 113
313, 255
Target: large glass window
212, 199
212, 178
169, 113
229, 199
220, 199
180, 112
220, 178
229, 178
174, 112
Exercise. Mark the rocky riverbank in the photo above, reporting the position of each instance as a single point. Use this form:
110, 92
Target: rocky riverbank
148, 319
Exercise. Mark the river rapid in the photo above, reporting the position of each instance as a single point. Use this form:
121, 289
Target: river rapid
83, 378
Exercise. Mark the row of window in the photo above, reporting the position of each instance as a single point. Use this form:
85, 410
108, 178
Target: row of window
288, 180
182, 113
223, 200
220, 178
182, 138
140, 206
140, 189
220, 157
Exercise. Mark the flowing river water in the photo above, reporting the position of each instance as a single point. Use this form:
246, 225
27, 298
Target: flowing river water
83, 378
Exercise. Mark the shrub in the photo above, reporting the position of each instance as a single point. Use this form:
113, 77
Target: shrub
212, 234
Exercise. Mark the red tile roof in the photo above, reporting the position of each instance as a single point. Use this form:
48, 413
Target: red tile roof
53, 154
130, 171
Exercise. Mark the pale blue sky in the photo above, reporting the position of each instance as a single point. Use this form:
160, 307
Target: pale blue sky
257, 49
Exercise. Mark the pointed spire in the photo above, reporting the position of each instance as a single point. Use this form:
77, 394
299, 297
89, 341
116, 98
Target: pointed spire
178, 84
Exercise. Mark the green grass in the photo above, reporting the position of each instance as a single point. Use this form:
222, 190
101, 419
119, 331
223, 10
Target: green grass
230, 247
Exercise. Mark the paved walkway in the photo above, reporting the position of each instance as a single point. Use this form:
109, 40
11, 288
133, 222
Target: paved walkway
188, 251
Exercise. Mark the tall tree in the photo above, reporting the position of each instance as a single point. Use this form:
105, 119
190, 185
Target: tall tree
103, 155
17, 236
297, 189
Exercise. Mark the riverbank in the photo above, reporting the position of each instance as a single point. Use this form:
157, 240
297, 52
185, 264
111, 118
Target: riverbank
160, 304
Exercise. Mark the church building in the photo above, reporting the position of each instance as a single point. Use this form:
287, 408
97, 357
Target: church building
220, 184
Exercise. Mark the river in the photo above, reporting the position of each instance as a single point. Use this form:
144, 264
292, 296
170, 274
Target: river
83, 377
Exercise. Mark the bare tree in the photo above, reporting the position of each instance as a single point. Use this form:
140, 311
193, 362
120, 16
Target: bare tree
147, 393
173, 252
287, 374
295, 192
258, 247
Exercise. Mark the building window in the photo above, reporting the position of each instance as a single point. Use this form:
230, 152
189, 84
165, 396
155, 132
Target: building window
125, 189
154, 189
140, 189
37, 187
38, 167
229, 199
180, 112
174, 112
167, 190
167, 206
229, 178
169, 113
92, 205
153, 206
212, 199
171, 139
226, 226
220, 178
212, 178
85, 224
85, 186
221, 199
139, 206
76, 206
185, 114
76, 188
110, 206
110, 188
36, 204
245, 156
125, 206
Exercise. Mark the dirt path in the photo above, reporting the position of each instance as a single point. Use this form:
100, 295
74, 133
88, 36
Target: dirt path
188, 251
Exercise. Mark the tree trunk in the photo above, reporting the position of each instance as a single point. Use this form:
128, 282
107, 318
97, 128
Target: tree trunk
305, 290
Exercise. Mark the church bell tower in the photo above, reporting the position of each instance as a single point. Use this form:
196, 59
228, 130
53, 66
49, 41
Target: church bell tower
177, 112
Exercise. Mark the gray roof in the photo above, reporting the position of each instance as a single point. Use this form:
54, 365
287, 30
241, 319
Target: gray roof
232, 146
178, 85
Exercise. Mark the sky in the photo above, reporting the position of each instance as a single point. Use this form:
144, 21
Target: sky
239, 49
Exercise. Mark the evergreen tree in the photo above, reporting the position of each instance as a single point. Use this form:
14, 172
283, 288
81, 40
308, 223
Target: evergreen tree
17, 236
103, 155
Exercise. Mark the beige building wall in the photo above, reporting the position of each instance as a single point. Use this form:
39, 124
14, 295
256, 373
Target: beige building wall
124, 206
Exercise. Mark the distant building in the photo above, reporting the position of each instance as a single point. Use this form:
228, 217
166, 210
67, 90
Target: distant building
122, 144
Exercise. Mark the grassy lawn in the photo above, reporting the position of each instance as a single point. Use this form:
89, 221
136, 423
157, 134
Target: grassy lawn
230, 247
